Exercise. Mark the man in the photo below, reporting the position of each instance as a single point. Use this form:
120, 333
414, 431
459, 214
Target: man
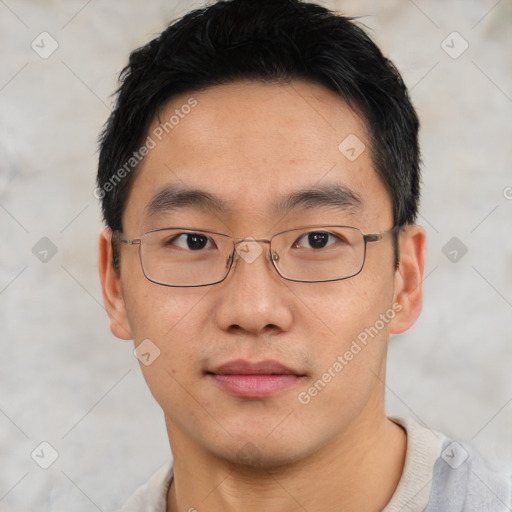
259, 179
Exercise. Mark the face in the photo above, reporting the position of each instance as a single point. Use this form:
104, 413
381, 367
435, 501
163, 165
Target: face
251, 146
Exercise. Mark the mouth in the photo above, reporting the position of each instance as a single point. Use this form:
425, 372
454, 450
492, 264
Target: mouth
254, 380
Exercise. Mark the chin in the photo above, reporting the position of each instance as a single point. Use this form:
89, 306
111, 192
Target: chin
261, 453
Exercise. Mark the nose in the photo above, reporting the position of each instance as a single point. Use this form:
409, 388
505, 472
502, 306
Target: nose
253, 298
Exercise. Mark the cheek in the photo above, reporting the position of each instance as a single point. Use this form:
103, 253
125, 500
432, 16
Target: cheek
350, 360
158, 312
351, 321
176, 321
341, 310
172, 323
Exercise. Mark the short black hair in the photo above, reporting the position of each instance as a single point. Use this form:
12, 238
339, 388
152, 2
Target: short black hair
271, 41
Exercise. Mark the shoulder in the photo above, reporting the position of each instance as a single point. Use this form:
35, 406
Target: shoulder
463, 480
443, 475
151, 496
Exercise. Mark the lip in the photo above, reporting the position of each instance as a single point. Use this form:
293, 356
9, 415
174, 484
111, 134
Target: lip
243, 367
254, 380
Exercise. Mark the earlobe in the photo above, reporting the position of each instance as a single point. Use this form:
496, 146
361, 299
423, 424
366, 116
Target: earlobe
111, 288
409, 277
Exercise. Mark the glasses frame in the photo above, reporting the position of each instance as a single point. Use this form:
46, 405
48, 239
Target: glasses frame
367, 237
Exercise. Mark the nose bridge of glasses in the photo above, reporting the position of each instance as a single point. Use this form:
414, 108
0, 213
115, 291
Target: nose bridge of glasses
237, 241
248, 249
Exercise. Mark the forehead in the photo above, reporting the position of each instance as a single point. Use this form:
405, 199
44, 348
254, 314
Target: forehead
252, 145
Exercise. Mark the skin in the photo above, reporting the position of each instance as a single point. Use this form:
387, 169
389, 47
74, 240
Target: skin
250, 143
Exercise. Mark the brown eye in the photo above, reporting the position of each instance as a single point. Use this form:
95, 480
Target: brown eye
191, 241
315, 240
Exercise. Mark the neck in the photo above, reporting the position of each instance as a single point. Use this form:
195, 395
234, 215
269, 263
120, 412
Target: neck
358, 470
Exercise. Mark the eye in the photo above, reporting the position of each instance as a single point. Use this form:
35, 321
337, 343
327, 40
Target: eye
315, 240
191, 241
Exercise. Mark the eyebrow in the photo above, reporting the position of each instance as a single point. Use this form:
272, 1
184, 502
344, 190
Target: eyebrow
173, 197
330, 194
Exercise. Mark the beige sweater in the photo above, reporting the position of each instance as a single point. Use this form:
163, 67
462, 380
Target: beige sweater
439, 475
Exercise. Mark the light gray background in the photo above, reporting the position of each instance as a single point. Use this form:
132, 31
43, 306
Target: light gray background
66, 380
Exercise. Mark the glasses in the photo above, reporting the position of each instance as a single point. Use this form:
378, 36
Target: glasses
186, 257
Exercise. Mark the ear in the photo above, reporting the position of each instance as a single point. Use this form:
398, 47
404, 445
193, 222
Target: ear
111, 288
408, 278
